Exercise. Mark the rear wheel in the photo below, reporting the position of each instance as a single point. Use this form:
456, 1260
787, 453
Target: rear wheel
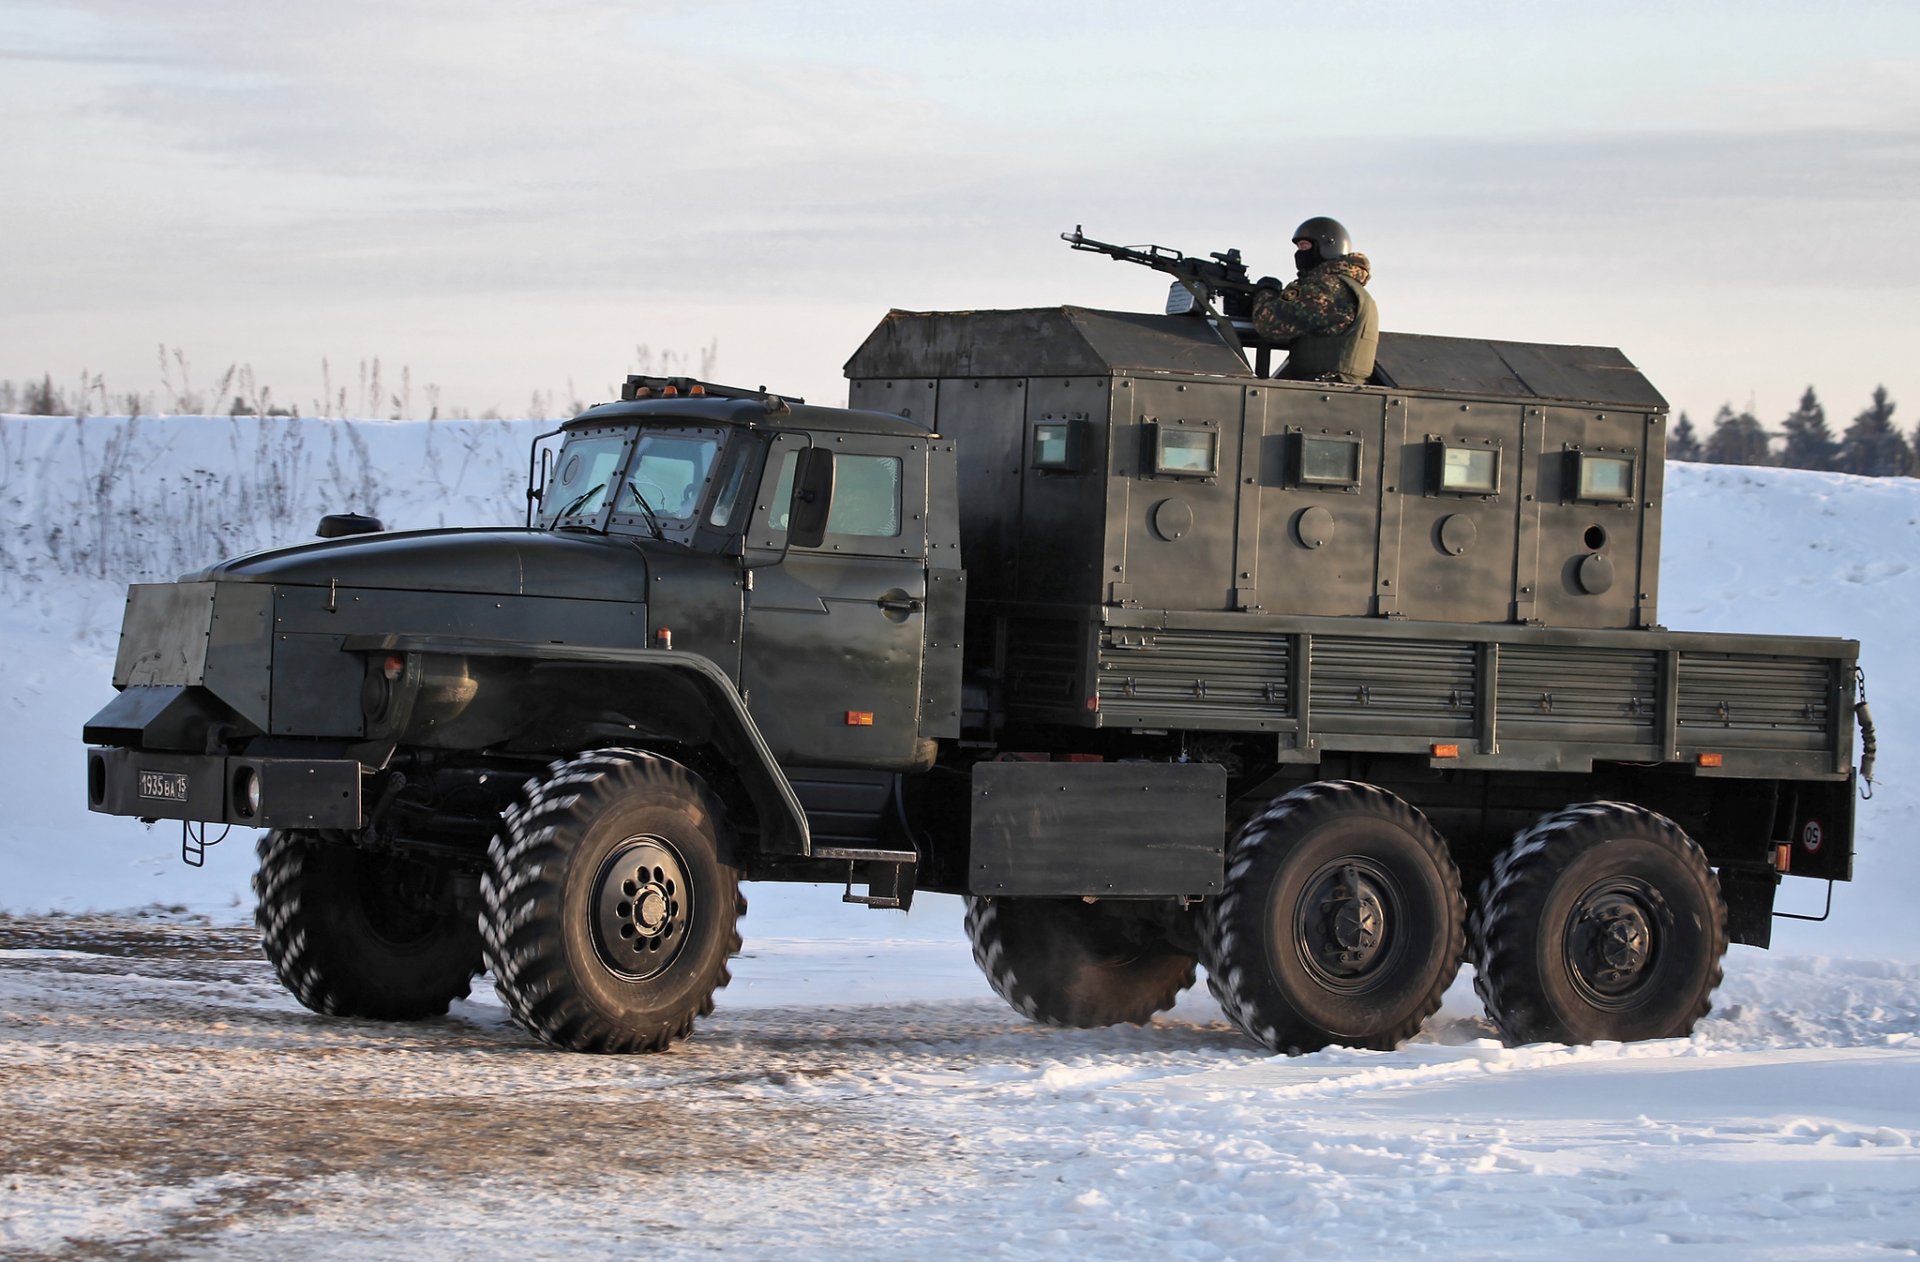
354, 933
1064, 961
1340, 921
609, 905
1600, 922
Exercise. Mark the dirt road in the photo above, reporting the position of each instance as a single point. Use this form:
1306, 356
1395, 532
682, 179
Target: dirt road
161, 1097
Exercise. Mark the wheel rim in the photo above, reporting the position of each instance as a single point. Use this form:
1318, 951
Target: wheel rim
1346, 925
642, 906
1613, 940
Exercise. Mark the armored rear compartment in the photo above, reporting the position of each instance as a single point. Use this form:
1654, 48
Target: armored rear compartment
1109, 458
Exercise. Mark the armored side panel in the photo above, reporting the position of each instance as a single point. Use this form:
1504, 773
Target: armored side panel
1134, 461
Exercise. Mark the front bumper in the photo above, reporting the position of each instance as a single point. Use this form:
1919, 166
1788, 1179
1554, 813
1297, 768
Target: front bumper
210, 788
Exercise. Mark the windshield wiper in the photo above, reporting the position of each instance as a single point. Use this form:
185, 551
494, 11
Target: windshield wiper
653, 520
584, 496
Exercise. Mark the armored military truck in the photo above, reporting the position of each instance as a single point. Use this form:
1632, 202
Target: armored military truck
1157, 660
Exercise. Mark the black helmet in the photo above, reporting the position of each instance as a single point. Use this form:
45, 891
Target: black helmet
1329, 237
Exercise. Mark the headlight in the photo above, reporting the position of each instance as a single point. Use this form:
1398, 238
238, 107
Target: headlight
246, 793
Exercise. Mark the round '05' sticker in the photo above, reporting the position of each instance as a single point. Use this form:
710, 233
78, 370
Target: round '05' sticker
1812, 836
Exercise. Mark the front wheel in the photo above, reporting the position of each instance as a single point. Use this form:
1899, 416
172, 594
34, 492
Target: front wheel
353, 933
1600, 922
1340, 921
609, 907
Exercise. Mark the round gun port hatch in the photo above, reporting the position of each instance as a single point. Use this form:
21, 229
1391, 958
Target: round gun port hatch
1313, 527
1172, 519
1594, 574
1457, 533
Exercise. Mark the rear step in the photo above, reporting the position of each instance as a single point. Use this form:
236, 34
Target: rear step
894, 876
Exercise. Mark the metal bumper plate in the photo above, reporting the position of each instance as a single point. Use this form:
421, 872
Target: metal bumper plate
294, 792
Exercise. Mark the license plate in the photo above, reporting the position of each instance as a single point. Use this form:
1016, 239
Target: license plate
167, 786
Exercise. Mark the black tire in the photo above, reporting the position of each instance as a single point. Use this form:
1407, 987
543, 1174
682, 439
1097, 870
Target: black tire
1216, 970
1340, 921
353, 933
1064, 961
1600, 922
609, 906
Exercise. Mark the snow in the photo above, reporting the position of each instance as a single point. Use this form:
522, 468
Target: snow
860, 1090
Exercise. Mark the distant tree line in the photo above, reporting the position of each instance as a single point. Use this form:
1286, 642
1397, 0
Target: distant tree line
1872, 445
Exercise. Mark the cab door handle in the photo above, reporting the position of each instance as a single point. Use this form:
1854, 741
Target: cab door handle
900, 604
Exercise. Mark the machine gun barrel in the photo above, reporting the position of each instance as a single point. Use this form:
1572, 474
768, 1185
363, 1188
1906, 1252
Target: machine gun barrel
1197, 282
1221, 271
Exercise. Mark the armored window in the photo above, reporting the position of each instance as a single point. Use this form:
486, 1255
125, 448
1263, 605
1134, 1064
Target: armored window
724, 504
1056, 444
1607, 478
582, 477
668, 475
866, 495
1459, 470
1185, 453
1321, 460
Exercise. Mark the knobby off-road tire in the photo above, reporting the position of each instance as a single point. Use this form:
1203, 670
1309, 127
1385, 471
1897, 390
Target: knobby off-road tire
1340, 921
1063, 961
609, 905
1216, 970
353, 933
1600, 922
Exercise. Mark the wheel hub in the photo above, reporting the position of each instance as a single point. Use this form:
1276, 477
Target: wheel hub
1343, 924
1613, 939
641, 907
651, 908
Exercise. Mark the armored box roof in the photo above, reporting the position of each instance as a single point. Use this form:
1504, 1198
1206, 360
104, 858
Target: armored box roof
1521, 370
1079, 341
1040, 342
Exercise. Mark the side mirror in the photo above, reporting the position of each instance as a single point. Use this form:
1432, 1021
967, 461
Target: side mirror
812, 498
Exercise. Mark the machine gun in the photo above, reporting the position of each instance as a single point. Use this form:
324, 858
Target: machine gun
1197, 284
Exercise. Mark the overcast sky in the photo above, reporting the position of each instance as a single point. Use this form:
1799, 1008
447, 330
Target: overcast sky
508, 197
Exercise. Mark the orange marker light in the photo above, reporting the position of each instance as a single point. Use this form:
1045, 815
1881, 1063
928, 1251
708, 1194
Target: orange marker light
696, 389
1446, 751
1709, 760
1783, 857
859, 718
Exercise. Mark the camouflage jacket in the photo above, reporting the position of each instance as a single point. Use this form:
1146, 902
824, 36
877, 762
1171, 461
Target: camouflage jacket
1316, 303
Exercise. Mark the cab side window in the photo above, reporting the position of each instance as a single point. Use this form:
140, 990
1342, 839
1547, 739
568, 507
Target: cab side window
866, 495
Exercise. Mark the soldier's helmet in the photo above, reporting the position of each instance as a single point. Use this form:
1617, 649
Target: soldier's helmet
1329, 237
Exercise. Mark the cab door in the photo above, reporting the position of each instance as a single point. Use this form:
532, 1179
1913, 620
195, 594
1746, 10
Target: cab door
832, 650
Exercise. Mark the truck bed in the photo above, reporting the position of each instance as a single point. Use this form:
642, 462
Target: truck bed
1485, 696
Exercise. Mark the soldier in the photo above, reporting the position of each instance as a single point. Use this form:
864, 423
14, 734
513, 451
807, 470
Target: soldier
1325, 320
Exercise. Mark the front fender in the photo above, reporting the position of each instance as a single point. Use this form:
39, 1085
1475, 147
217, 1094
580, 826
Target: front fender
690, 699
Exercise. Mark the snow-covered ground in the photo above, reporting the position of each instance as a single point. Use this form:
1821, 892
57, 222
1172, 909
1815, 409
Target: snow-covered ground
165, 1098
861, 1091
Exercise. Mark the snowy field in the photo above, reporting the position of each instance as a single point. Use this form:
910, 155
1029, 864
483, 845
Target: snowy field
861, 1091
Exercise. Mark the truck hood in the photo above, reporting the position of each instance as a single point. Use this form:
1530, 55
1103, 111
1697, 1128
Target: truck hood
505, 562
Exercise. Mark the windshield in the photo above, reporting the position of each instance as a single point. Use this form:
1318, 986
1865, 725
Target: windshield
581, 475
669, 473
650, 478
